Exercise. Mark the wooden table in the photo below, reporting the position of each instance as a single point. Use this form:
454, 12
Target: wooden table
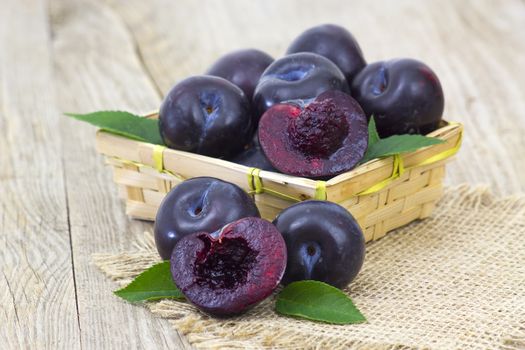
58, 202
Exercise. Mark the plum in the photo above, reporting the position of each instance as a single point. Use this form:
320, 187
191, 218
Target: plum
199, 204
404, 96
230, 270
300, 76
324, 243
206, 115
335, 43
242, 67
325, 138
254, 157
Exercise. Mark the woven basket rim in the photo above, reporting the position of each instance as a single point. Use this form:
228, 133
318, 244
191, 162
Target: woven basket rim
446, 132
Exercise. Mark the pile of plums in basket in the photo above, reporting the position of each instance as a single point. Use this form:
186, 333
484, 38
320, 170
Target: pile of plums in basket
225, 258
304, 114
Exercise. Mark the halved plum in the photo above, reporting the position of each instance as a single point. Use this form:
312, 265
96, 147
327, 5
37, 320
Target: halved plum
227, 271
325, 138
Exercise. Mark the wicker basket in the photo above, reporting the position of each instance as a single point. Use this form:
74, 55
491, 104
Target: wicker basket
382, 194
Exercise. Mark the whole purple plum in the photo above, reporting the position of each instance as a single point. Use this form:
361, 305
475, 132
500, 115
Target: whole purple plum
404, 96
206, 115
333, 42
300, 76
242, 67
324, 243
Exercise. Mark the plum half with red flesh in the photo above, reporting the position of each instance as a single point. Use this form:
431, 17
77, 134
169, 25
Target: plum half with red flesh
325, 138
227, 271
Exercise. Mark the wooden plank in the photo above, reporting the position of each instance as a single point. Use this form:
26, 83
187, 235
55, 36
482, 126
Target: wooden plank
37, 286
477, 53
135, 179
97, 68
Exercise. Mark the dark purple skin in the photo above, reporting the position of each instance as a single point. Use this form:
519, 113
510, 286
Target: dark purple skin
206, 115
228, 271
324, 243
335, 43
242, 67
403, 95
326, 138
254, 157
199, 204
301, 76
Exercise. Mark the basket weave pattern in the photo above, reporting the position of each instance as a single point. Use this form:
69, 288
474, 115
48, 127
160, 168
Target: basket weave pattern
403, 196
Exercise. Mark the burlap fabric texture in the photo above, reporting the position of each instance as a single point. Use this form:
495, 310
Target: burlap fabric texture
453, 281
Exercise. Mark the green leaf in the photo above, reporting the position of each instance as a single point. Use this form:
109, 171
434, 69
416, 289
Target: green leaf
317, 301
398, 144
373, 136
153, 284
125, 124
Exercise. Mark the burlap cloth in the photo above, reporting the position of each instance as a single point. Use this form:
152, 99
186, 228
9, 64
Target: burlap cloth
453, 281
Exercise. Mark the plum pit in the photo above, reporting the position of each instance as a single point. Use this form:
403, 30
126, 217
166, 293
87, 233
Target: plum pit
319, 130
224, 265
227, 271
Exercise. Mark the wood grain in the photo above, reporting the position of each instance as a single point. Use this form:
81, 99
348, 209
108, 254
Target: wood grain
477, 48
37, 293
96, 68
57, 200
